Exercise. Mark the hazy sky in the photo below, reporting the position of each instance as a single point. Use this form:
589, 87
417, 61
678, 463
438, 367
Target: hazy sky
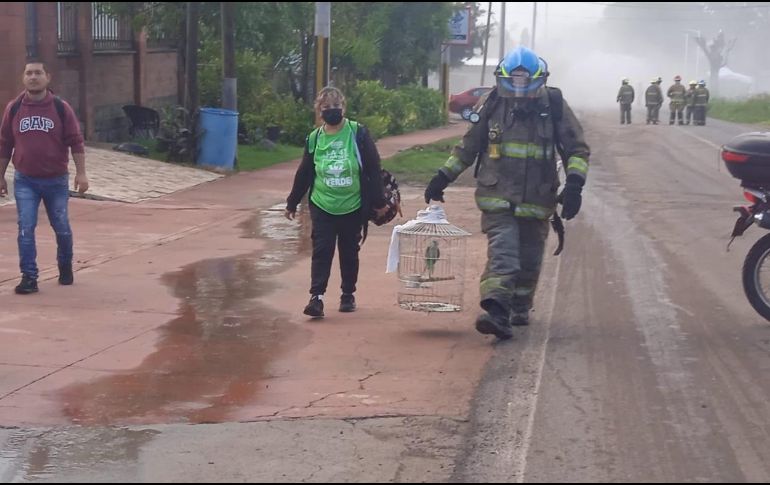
550, 15
588, 54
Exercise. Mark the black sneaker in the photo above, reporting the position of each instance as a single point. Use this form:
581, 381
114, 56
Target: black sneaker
65, 274
519, 319
347, 303
315, 308
28, 285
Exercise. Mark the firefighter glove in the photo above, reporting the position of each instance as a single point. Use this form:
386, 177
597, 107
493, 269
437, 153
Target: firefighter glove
571, 197
435, 189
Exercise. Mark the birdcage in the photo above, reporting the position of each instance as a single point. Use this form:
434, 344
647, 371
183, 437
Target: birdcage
431, 262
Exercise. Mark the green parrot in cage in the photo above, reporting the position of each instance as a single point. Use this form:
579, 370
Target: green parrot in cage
432, 254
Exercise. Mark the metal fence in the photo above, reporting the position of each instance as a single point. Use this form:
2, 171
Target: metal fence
66, 27
160, 40
110, 32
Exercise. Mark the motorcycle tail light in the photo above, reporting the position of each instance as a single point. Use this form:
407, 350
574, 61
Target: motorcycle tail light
750, 197
733, 157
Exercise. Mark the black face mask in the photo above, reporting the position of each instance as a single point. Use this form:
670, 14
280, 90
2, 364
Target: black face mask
332, 116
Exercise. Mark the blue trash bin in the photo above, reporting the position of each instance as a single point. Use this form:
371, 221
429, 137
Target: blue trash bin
219, 140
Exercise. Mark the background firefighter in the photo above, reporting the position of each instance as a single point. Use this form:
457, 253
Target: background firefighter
625, 98
689, 98
677, 93
653, 99
701, 103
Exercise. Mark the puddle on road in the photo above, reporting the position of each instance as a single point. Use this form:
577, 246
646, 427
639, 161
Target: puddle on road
35, 455
214, 357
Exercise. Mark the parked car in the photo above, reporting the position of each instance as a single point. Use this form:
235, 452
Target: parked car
463, 103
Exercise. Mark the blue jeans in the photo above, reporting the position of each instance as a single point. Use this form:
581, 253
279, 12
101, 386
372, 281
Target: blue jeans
54, 192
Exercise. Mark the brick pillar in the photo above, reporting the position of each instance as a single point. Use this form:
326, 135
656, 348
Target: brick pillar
140, 68
14, 50
86, 51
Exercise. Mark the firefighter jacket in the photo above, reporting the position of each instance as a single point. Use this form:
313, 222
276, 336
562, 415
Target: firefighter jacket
701, 96
689, 97
677, 93
626, 94
653, 96
517, 168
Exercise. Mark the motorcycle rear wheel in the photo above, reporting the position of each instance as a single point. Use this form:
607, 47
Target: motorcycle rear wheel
756, 276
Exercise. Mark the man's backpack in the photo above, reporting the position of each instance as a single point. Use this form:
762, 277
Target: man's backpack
391, 193
57, 102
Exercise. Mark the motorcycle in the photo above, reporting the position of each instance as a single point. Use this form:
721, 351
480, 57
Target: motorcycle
747, 158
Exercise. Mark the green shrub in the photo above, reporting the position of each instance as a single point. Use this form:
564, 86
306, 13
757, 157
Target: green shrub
392, 112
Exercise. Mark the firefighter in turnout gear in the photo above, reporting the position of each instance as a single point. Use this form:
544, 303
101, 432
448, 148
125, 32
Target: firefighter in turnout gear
689, 99
653, 99
677, 93
516, 132
701, 103
625, 98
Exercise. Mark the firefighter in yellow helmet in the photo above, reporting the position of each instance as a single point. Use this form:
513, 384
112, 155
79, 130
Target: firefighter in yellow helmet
689, 98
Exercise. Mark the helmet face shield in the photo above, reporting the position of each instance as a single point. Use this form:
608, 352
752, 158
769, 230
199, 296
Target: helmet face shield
519, 83
521, 74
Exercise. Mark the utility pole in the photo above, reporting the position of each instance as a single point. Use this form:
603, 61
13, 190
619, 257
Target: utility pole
686, 48
323, 27
191, 64
486, 43
534, 24
229, 80
445, 76
502, 30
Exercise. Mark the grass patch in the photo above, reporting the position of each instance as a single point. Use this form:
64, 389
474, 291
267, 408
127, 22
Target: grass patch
250, 157
254, 157
752, 110
419, 164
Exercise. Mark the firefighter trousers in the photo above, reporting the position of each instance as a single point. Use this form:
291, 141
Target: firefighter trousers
515, 248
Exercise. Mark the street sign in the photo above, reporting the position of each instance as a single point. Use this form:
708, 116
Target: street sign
460, 27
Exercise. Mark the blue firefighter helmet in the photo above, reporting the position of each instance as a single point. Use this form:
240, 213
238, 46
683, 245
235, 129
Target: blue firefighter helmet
521, 74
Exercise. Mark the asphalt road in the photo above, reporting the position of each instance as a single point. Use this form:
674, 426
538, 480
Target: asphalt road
644, 361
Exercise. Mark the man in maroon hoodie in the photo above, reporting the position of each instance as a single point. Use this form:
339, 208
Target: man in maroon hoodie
38, 129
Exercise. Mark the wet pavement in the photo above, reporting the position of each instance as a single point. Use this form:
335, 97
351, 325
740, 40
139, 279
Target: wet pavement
216, 355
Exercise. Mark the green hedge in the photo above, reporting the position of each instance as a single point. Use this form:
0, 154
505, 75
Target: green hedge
752, 110
392, 112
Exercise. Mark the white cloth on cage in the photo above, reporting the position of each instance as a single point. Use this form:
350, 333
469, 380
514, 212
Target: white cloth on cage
434, 214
